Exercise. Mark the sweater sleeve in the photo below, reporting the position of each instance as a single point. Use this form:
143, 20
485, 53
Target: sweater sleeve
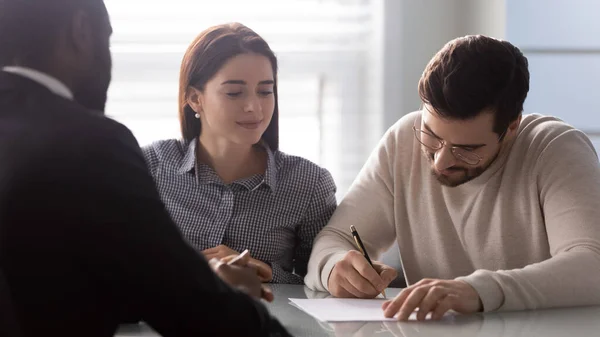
368, 206
568, 179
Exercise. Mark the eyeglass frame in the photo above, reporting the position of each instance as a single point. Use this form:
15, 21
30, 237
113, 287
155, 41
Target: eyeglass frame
452, 148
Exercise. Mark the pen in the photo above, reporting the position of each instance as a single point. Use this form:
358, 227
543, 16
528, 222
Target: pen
264, 292
235, 260
362, 249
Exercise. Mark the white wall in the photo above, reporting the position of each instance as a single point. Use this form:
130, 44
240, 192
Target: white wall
486, 17
414, 30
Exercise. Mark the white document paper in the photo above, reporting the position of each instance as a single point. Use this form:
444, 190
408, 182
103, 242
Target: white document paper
344, 309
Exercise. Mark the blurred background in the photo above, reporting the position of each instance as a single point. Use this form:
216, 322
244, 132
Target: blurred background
349, 68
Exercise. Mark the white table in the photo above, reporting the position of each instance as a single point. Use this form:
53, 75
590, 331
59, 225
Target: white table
570, 322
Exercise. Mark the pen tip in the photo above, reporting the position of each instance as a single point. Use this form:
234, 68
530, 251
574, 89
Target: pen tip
352, 228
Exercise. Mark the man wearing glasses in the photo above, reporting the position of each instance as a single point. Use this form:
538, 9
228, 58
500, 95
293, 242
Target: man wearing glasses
491, 209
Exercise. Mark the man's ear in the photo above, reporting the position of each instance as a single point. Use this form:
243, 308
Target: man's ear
515, 124
80, 34
194, 99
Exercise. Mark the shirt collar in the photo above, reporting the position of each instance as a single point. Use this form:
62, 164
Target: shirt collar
188, 162
54, 85
188, 165
271, 173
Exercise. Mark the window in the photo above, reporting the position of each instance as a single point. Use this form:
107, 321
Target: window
322, 48
560, 40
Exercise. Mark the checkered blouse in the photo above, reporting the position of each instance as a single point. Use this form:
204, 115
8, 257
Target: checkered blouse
275, 215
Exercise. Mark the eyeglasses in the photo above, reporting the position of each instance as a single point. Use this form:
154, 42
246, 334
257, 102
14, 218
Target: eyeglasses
433, 143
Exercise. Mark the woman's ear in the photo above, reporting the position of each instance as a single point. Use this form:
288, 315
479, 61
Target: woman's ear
194, 99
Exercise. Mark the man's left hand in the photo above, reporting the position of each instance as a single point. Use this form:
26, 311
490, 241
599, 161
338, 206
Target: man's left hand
435, 296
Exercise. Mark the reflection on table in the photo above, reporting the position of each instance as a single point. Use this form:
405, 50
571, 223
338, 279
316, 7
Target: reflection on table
584, 321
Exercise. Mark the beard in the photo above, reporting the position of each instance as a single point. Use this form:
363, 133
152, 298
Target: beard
466, 176
460, 175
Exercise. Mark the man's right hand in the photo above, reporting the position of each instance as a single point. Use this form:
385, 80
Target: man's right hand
353, 276
242, 276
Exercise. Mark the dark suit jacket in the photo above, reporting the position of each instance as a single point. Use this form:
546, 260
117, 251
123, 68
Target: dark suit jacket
9, 327
84, 237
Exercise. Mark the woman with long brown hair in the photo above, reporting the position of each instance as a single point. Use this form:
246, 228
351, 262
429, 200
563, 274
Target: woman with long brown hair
225, 183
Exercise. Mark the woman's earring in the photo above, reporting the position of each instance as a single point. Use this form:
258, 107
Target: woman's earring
197, 116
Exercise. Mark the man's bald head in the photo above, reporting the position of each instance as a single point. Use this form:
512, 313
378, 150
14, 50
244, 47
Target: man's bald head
68, 39
29, 29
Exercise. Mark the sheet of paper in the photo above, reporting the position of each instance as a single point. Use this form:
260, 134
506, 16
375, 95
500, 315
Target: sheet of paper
344, 309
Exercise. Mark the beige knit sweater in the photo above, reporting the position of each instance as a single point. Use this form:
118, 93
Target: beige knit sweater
525, 234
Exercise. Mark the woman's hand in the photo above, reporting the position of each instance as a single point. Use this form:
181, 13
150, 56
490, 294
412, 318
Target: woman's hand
241, 275
222, 252
218, 252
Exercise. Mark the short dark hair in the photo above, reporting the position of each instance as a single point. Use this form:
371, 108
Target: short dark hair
205, 57
474, 74
29, 29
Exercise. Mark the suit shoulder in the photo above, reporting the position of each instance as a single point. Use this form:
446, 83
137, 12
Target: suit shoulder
77, 123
